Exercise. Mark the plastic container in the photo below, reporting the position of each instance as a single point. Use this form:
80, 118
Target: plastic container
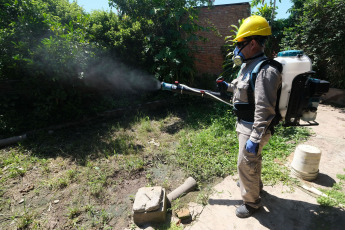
305, 163
294, 62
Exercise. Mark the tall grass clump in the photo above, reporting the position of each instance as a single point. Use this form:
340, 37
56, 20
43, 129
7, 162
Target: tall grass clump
212, 150
335, 197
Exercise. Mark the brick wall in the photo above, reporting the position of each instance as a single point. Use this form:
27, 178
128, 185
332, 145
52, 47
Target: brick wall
210, 57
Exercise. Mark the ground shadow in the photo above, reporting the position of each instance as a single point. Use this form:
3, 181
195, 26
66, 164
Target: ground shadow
224, 202
334, 105
324, 180
294, 214
281, 214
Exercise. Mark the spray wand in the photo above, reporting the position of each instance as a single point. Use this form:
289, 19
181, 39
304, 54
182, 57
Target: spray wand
184, 89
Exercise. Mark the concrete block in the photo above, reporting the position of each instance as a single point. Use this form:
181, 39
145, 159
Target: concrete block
147, 199
156, 216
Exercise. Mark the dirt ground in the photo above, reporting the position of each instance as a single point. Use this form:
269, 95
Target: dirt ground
284, 208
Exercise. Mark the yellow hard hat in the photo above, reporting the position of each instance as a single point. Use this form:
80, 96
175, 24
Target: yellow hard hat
251, 26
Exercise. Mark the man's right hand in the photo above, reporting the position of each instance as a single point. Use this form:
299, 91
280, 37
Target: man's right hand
222, 85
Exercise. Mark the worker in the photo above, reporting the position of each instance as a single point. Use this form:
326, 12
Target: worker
255, 108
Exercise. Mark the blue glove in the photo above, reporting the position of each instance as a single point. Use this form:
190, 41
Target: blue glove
222, 85
252, 147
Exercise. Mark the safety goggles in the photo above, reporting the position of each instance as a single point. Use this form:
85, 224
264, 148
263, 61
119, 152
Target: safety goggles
241, 44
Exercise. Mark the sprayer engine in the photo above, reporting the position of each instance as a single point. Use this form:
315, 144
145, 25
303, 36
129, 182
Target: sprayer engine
301, 91
304, 99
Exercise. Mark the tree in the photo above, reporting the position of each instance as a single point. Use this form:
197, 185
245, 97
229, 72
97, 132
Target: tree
168, 27
318, 29
43, 49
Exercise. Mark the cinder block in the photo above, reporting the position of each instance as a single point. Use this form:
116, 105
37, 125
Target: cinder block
157, 216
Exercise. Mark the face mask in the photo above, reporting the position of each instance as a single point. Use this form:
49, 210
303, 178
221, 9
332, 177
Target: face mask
238, 57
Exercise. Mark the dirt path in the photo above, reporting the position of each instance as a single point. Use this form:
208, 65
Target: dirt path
285, 209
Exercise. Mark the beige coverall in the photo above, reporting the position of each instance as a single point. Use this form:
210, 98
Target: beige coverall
265, 95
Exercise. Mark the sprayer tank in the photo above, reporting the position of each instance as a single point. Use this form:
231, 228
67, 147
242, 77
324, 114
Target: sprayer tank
294, 63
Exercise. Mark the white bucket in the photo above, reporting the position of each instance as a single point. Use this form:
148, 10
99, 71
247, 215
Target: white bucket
305, 163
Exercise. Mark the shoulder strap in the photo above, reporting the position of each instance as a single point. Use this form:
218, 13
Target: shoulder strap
258, 67
251, 89
252, 79
255, 72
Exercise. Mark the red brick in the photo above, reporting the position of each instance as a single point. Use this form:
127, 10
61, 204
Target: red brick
209, 57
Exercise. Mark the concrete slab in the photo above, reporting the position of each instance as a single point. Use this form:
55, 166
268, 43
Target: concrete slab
282, 209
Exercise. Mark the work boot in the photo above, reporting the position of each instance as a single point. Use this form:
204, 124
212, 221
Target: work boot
245, 211
261, 186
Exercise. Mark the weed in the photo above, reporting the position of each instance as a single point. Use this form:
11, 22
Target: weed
16, 171
96, 189
176, 204
131, 198
149, 178
74, 212
62, 182
336, 195
45, 166
132, 226
203, 196
145, 125
123, 144
341, 176
90, 209
15, 163
72, 174
166, 184
2, 191
25, 220
97, 180
132, 163
105, 217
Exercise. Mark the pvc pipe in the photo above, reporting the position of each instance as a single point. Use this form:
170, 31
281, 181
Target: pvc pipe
12, 140
186, 187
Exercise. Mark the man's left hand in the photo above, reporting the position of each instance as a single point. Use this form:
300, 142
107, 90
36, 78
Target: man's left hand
252, 147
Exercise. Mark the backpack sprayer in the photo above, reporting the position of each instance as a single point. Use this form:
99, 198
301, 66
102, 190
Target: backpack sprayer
300, 93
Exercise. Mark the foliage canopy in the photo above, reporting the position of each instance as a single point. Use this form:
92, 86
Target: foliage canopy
168, 28
317, 27
50, 50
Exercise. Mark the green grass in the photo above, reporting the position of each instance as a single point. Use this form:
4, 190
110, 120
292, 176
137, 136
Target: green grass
335, 197
211, 149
